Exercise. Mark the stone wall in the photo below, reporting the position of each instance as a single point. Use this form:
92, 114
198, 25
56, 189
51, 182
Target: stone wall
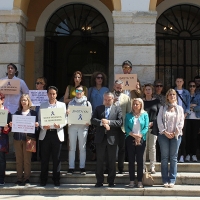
134, 40
12, 40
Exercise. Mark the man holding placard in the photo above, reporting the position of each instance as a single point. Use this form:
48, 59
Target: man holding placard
127, 68
12, 87
108, 119
52, 119
12, 100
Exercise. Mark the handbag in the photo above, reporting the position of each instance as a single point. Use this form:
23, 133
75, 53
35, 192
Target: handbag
147, 178
31, 145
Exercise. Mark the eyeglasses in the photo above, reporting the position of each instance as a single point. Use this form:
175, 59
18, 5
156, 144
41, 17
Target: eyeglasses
192, 86
159, 85
99, 77
37, 83
79, 91
24, 100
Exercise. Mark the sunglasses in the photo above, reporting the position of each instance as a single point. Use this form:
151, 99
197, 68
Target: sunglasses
79, 91
159, 85
192, 86
37, 83
99, 77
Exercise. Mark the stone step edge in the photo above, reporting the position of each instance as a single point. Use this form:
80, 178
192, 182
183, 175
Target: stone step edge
89, 189
92, 174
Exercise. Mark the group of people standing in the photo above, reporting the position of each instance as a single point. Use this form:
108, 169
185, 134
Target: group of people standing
132, 120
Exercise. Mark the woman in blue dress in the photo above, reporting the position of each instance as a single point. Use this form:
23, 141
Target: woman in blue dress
97, 89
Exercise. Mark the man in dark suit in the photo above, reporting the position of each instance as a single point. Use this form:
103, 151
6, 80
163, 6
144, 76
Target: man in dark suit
108, 119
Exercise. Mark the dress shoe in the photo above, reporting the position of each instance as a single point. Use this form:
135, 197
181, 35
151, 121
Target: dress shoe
57, 183
111, 185
120, 172
43, 183
98, 184
106, 171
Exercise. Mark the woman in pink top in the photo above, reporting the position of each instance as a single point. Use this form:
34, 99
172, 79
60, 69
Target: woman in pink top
170, 121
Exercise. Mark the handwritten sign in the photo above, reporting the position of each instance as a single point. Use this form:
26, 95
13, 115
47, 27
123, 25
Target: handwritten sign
10, 86
23, 124
3, 117
130, 80
79, 115
49, 116
38, 96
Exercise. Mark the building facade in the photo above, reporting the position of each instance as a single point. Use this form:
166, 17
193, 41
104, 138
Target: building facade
53, 38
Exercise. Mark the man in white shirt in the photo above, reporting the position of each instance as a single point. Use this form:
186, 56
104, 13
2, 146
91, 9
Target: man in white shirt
51, 138
127, 68
11, 101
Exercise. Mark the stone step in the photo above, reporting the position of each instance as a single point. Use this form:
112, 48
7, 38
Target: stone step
90, 166
89, 178
89, 189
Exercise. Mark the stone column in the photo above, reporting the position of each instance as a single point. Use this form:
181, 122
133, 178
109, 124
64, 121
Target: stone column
12, 46
12, 40
134, 40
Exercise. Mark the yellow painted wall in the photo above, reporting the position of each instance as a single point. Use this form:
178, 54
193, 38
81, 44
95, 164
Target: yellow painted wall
21, 4
152, 5
29, 65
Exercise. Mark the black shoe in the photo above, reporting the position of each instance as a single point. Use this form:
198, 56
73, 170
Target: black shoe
43, 183
57, 183
120, 172
83, 172
111, 185
106, 171
98, 185
18, 183
2, 183
70, 171
27, 183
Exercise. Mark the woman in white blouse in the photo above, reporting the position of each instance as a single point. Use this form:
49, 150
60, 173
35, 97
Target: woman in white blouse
170, 121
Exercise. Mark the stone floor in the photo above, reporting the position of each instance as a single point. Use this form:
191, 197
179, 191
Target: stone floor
73, 197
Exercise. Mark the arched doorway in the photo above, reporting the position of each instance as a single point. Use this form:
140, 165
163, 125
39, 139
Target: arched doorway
178, 44
76, 38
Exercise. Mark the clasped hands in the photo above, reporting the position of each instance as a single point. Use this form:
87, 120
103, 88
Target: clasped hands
105, 123
170, 135
48, 126
137, 136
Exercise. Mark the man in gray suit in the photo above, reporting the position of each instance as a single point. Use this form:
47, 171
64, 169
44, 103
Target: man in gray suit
108, 119
51, 139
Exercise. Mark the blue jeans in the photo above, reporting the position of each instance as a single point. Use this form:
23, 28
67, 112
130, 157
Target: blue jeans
2, 166
169, 151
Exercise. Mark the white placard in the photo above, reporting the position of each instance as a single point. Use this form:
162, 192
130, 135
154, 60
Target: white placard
49, 116
79, 114
3, 117
23, 124
38, 96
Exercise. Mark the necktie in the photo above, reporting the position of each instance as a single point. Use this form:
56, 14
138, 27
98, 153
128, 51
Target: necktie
107, 112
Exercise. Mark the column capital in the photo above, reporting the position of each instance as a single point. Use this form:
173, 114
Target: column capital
13, 16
